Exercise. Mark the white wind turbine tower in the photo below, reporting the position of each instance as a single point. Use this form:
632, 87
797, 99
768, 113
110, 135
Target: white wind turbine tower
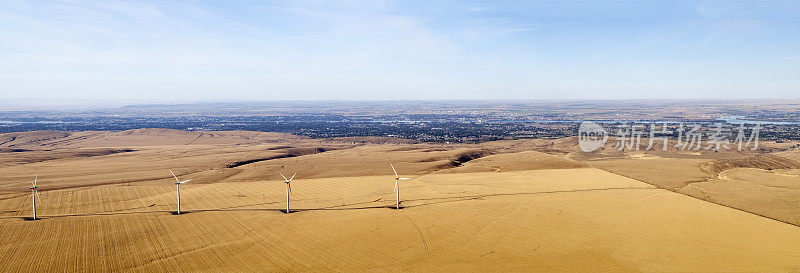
396, 186
288, 189
35, 195
178, 183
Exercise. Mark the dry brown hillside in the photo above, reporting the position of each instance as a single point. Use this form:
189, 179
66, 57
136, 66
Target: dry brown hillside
139, 137
699, 173
143, 156
107, 203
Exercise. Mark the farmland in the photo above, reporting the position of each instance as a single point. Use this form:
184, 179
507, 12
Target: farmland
512, 206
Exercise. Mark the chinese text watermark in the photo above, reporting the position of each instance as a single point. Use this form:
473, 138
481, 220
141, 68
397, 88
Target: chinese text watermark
670, 135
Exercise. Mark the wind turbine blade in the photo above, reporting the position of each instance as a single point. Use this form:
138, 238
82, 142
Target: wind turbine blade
185, 181
395, 171
37, 197
173, 175
290, 179
290, 188
284, 178
395, 186
35, 180
405, 178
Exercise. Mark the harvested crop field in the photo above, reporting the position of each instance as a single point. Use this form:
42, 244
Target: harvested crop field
506, 210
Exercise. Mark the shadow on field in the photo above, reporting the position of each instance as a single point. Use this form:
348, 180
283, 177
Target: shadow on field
443, 200
342, 207
182, 212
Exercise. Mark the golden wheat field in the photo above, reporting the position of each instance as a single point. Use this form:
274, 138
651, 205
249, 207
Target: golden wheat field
107, 203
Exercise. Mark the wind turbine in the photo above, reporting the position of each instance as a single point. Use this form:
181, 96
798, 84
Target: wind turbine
396, 185
288, 189
178, 183
35, 194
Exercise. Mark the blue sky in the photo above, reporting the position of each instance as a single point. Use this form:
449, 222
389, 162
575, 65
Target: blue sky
376, 50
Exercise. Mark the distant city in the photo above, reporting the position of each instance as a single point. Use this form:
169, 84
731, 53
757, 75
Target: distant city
428, 121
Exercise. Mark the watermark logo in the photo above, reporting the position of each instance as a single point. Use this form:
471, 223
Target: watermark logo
591, 136
666, 135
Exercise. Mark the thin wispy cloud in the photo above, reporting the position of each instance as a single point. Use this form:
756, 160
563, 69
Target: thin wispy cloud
394, 49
